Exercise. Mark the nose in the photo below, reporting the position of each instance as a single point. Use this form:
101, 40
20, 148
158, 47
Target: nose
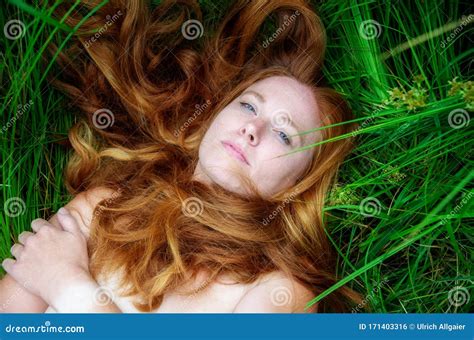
252, 131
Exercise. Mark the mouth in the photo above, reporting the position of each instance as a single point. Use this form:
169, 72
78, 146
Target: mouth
235, 151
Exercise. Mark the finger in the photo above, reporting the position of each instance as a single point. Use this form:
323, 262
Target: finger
7, 264
68, 222
24, 236
36, 224
16, 250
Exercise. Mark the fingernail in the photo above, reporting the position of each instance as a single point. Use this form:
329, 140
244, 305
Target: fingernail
63, 211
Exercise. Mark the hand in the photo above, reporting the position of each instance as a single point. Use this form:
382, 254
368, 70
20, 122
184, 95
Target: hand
50, 259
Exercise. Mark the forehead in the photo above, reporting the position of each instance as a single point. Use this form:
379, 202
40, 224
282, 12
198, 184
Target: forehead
288, 94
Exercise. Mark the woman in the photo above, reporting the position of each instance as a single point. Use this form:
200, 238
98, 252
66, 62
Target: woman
197, 186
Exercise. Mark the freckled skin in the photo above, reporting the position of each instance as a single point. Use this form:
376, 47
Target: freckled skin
256, 127
259, 129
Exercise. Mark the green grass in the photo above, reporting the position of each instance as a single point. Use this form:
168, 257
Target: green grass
401, 214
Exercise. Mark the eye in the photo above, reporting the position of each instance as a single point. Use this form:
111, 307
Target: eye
284, 137
248, 107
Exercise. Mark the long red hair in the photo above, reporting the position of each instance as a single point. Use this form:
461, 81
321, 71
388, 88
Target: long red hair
148, 77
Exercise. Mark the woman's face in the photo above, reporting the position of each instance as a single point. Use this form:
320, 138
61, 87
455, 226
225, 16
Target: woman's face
260, 123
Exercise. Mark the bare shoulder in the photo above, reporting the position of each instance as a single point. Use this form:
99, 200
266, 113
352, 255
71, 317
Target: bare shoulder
276, 292
83, 204
96, 195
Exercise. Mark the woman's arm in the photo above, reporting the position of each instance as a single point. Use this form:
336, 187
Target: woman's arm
83, 295
55, 264
14, 297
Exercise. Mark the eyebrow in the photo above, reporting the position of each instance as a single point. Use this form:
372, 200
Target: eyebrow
261, 98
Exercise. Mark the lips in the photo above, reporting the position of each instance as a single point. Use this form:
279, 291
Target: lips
235, 151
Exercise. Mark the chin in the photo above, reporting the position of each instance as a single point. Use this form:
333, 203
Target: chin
221, 172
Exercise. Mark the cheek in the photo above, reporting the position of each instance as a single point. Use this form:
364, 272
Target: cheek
269, 149
227, 119
222, 127
215, 131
